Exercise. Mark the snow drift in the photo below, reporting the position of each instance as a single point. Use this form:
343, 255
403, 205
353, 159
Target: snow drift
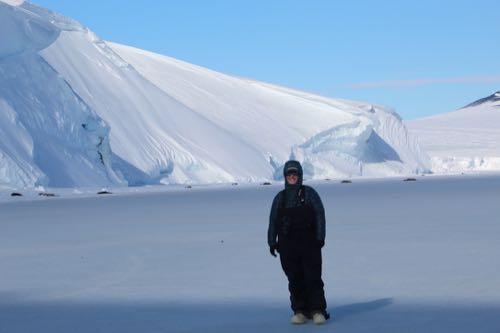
464, 140
79, 111
48, 134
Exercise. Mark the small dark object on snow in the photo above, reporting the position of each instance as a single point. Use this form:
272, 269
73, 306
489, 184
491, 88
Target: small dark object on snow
46, 194
189, 186
104, 192
346, 181
16, 194
266, 183
327, 179
234, 184
410, 180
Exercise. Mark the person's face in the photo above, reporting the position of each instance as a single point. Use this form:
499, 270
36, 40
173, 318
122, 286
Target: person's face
292, 178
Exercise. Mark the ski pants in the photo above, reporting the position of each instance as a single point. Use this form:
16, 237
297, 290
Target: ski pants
300, 257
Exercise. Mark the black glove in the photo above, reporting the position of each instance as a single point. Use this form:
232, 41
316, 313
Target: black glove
321, 243
273, 248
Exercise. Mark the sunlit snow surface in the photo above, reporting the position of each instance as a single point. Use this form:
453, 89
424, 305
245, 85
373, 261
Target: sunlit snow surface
464, 140
49, 135
13, 2
93, 113
400, 257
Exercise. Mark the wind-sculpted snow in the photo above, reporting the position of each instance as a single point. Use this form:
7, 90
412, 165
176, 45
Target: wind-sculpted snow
98, 113
345, 150
12, 2
23, 32
27, 28
69, 143
49, 135
464, 140
274, 120
16, 149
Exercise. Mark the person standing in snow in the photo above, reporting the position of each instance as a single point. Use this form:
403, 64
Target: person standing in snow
297, 232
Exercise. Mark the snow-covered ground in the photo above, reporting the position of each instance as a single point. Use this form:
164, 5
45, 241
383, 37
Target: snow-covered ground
466, 140
400, 257
79, 111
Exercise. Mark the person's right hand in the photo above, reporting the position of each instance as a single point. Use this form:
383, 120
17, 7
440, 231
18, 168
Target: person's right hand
274, 248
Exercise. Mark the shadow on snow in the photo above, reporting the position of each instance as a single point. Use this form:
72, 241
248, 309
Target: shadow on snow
381, 315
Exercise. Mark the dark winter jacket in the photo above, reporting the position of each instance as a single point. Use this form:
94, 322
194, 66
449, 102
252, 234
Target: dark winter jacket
290, 197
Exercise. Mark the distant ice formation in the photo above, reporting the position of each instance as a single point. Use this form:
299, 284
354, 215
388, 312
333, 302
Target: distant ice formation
78, 111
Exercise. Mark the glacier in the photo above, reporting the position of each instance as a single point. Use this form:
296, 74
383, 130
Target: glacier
465, 140
49, 135
77, 111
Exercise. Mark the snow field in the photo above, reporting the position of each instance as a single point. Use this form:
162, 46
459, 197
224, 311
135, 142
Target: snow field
400, 257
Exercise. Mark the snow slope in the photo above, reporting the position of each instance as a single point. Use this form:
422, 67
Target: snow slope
98, 113
48, 134
464, 140
419, 257
13, 2
332, 137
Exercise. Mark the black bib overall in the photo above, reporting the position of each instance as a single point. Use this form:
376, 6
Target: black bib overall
300, 256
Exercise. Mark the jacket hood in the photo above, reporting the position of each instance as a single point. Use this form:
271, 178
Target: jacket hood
290, 165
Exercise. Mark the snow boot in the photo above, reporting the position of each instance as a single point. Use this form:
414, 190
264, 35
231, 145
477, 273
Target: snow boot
319, 318
298, 318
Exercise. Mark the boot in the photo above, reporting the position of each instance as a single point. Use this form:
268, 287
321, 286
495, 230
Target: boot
298, 318
319, 318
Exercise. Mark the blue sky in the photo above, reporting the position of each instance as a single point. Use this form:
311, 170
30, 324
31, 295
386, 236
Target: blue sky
420, 57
